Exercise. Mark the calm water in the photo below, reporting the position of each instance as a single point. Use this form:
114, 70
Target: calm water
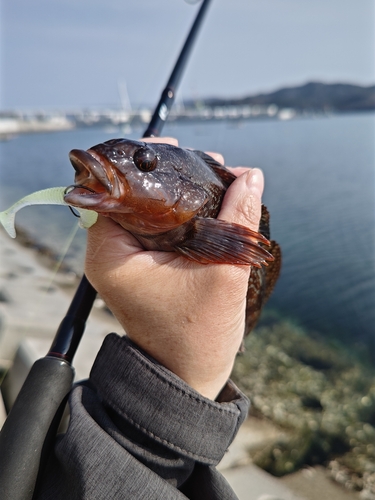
320, 178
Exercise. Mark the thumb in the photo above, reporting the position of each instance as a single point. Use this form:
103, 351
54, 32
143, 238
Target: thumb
242, 201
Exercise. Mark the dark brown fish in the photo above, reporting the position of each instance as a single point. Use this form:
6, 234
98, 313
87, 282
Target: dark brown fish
168, 198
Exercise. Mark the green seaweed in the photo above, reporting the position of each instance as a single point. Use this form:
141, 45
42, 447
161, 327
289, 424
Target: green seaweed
319, 393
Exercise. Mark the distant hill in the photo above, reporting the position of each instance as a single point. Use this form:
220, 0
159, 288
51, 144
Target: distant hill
313, 96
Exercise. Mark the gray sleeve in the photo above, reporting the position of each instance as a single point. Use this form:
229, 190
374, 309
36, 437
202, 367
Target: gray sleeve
137, 431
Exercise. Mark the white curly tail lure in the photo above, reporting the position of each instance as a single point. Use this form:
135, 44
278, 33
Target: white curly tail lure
50, 196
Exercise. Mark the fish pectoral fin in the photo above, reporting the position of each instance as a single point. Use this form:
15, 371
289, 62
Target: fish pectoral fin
216, 241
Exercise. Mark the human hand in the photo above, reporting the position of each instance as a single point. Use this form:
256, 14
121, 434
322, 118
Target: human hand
188, 316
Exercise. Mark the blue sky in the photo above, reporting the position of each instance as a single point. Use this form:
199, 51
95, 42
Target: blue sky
75, 53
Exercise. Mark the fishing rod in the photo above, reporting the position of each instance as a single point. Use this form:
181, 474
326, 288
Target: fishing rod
28, 433
72, 326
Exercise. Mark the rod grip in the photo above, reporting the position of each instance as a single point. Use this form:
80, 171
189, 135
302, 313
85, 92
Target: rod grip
23, 438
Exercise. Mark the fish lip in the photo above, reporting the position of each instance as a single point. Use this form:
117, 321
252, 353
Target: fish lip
89, 166
82, 197
90, 162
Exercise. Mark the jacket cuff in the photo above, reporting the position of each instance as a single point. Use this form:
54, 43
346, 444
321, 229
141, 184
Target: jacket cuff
164, 407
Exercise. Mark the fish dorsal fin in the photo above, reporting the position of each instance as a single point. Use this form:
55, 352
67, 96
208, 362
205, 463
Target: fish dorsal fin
225, 175
264, 223
262, 280
273, 269
261, 284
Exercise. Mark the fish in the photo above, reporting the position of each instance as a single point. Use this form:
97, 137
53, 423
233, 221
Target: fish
168, 198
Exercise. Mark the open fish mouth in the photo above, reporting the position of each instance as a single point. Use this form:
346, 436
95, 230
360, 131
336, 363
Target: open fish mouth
92, 183
89, 164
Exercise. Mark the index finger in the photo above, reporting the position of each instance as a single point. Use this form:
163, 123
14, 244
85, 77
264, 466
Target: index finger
216, 156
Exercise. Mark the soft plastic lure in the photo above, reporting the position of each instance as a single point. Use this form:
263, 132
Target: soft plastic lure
50, 196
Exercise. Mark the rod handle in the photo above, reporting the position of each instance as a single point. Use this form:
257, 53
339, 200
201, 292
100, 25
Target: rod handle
24, 437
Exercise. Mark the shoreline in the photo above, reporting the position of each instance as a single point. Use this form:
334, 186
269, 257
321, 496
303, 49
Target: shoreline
34, 297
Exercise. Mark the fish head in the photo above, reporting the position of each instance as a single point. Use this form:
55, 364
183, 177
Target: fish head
134, 182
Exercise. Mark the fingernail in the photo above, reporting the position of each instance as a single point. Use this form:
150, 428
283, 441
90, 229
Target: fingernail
255, 182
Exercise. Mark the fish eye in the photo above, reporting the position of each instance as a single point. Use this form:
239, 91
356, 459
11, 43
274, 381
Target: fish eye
145, 159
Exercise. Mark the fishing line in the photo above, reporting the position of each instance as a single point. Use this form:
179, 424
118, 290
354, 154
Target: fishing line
63, 253
51, 279
154, 74
47, 280
28, 433
156, 64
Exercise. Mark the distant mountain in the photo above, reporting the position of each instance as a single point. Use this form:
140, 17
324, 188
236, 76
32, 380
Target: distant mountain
313, 96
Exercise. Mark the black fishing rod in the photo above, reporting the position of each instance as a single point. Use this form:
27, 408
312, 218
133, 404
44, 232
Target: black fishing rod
28, 433
168, 95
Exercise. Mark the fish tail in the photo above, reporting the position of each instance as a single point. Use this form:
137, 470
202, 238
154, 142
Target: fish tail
7, 221
49, 196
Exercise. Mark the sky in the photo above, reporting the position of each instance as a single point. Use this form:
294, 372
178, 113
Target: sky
71, 54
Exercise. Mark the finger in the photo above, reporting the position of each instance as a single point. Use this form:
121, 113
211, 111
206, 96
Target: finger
161, 140
106, 236
242, 201
216, 156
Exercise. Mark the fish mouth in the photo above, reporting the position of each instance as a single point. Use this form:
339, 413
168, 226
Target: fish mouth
91, 183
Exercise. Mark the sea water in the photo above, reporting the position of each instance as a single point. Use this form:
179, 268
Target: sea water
320, 178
